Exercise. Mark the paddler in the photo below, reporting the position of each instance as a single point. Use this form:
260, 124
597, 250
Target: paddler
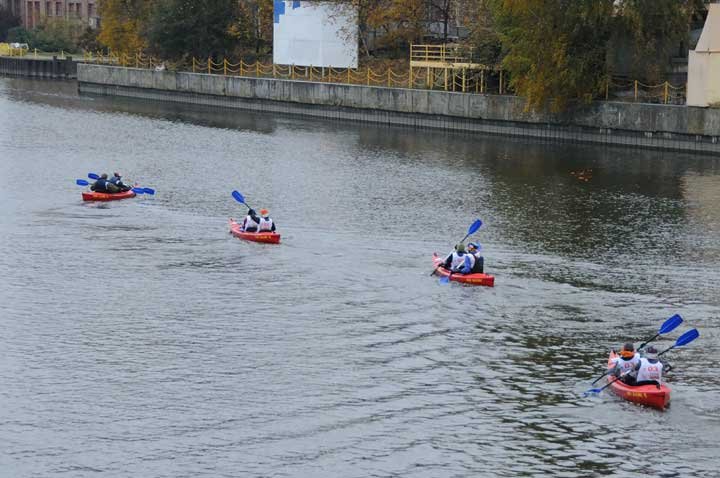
117, 181
649, 369
102, 185
251, 222
266, 224
473, 249
626, 363
459, 261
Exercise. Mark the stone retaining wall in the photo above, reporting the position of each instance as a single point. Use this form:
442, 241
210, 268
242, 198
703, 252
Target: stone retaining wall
637, 124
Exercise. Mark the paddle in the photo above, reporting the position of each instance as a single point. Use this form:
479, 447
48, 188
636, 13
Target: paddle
471, 230
684, 339
668, 326
150, 191
240, 198
595, 391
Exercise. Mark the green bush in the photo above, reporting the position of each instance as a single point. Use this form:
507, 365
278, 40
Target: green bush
18, 35
56, 35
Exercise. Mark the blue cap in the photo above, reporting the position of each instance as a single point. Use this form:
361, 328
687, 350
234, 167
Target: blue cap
474, 244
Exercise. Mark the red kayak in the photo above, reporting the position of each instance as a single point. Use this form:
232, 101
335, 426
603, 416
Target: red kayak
648, 395
266, 237
96, 196
472, 279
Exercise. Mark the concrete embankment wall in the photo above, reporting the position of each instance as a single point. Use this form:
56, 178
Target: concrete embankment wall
635, 124
38, 68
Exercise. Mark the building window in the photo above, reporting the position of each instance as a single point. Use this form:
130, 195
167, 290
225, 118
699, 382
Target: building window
48, 9
58, 9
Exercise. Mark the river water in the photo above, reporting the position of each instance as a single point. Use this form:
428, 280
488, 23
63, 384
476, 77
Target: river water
139, 338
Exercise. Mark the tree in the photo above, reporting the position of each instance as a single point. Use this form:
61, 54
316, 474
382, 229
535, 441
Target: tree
254, 25
8, 20
483, 35
655, 29
399, 22
88, 41
56, 34
122, 23
178, 29
442, 9
402, 21
555, 49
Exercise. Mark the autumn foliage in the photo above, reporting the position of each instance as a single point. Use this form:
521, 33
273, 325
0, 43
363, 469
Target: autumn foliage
556, 52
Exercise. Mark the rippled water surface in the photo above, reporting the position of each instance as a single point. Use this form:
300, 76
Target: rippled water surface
138, 338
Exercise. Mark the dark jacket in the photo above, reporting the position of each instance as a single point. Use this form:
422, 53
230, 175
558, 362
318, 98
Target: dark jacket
100, 185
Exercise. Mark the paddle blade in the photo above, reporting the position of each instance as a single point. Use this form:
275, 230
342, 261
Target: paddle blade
670, 324
138, 190
93, 176
149, 191
474, 227
445, 280
82, 182
687, 337
238, 197
592, 391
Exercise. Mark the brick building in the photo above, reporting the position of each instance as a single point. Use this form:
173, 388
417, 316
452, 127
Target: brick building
32, 12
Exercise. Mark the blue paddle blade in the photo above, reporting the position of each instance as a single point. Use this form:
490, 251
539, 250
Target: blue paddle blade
445, 280
238, 197
138, 190
93, 176
592, 391
670, 324
82, 182
149, 191
474, 227
687, 337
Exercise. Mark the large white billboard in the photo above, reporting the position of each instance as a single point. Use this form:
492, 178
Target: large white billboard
313, 33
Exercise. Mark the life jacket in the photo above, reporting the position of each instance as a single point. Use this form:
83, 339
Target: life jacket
117, 181
250, 224
265, 224
628, 365
649, 370
100, 185
457, 259
468, 264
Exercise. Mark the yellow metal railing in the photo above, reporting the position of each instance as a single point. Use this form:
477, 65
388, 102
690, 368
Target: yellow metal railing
439, 53
634, 90
480, 81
